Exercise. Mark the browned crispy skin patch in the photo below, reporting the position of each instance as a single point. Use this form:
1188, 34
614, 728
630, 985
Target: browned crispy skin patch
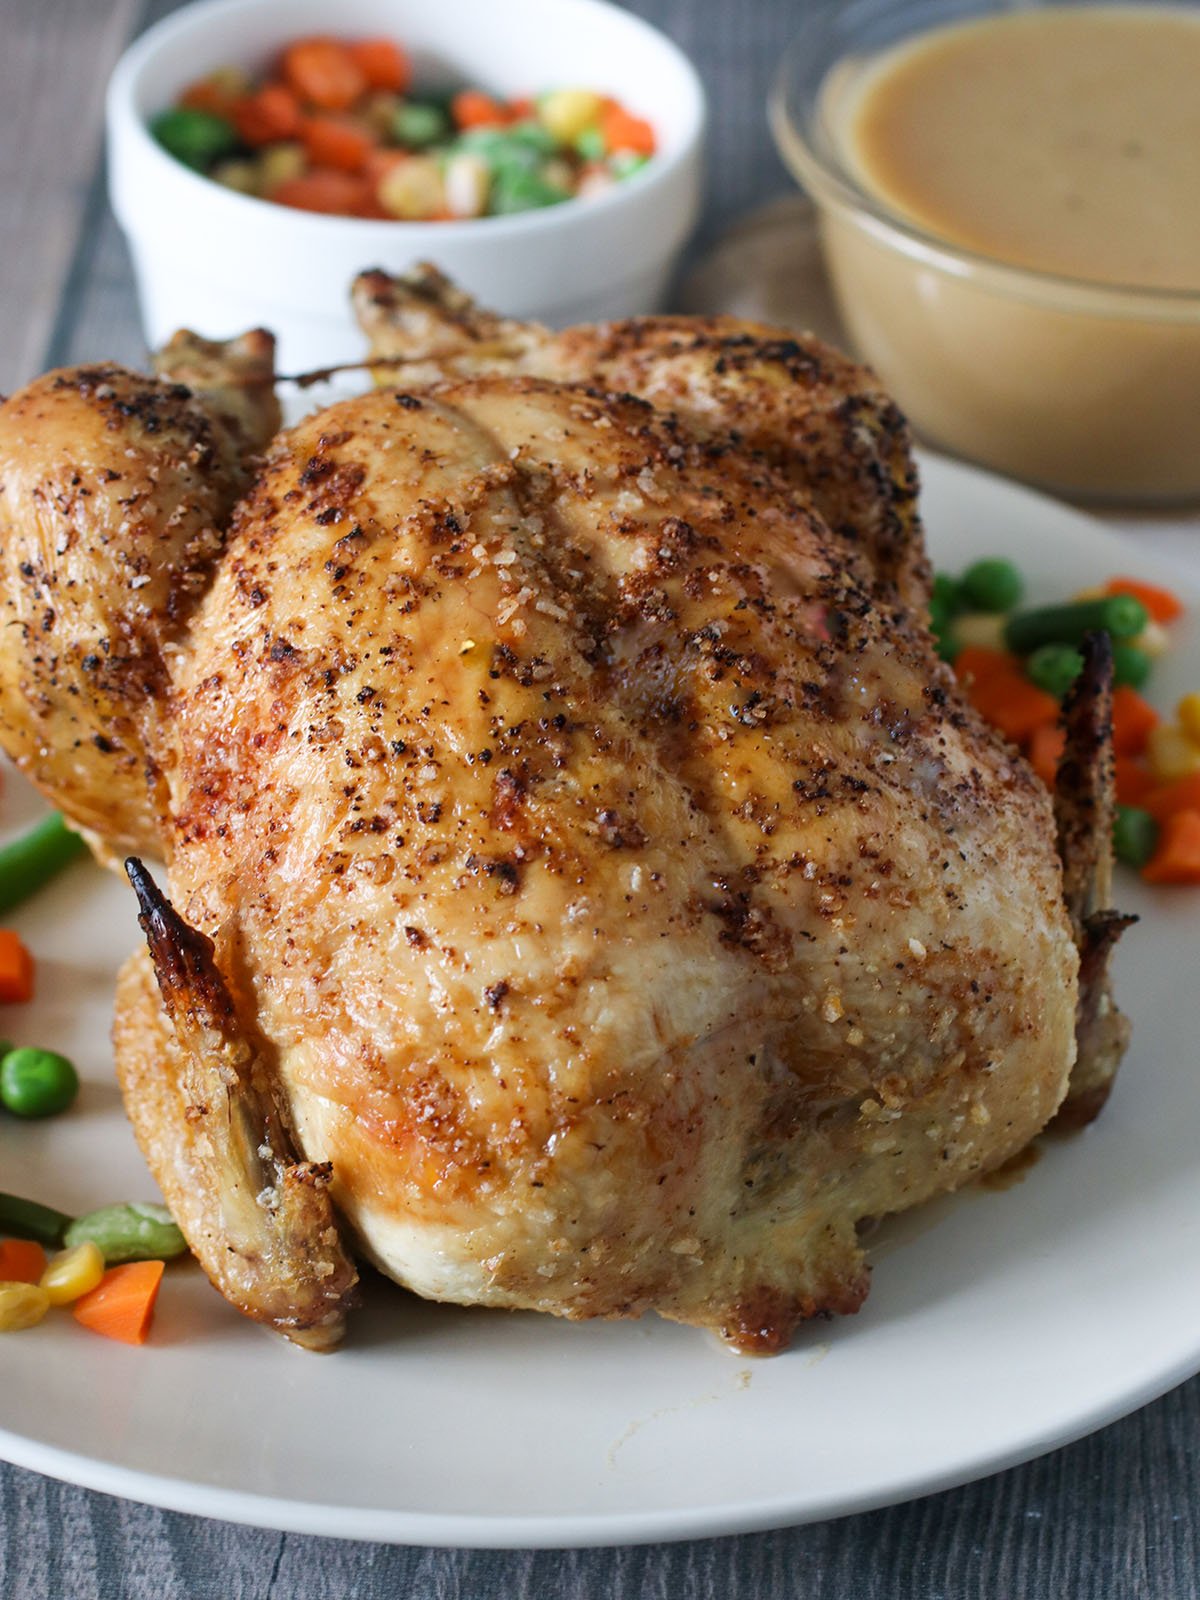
765, 1321
813, 414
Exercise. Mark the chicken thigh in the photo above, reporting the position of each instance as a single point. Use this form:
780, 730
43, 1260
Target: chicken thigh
582, 870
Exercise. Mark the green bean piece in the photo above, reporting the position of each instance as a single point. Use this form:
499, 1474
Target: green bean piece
1135, 835
37, 1083
26, 1219
31, 860
992, 585
419, 123
1131, 666
197, 138
1118, 615
132, 1232
1054, 668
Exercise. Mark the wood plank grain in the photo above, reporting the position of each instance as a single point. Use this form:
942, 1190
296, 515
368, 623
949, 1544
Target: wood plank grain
1114, 1517
54, 60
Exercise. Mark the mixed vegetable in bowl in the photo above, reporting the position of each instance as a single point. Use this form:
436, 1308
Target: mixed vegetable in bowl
339, 127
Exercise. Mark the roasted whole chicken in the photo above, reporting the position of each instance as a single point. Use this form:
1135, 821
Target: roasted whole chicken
586, 890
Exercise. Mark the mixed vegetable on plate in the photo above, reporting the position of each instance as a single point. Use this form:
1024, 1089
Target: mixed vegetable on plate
107, 1264
339, 127
1016, 665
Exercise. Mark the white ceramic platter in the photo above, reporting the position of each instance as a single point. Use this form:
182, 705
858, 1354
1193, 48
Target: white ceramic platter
1000, 1323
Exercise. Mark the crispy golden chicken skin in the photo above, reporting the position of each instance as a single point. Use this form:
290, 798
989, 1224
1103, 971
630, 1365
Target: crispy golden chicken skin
578, 847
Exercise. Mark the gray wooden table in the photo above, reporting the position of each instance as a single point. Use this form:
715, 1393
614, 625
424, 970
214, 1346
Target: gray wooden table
1113, 1517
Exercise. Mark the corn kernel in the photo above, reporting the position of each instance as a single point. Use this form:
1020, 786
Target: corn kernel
1188, 712
280, 163
1094, 591
980, 629
73, 1272
241, 176
22, 1305
233, 82
1153, 641
566, 113
413, 189
1170, 753
467, 183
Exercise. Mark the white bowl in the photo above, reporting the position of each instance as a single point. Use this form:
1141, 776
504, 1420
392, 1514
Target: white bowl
218, 262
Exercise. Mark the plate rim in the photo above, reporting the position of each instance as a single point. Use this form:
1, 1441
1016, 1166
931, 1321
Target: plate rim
478, 1531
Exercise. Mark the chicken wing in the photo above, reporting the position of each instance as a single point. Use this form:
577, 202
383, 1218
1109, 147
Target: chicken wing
115, 492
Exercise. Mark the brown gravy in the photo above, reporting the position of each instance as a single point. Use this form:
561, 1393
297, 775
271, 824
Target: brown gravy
1065, 139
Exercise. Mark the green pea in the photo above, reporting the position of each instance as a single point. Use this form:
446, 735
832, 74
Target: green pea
1054, 668
590, 145
1135, 835
132, 1232
992, 585
1130, 665
418, 123
197, 138
36, 1083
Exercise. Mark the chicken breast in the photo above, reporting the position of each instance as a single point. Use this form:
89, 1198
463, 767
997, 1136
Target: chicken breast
604, 891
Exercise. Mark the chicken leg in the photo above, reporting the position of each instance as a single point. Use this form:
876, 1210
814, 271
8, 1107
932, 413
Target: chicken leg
208, 1107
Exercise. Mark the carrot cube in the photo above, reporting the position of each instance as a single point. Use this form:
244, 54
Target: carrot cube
16, 969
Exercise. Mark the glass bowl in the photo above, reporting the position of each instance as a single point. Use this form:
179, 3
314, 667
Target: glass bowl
1088, 389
